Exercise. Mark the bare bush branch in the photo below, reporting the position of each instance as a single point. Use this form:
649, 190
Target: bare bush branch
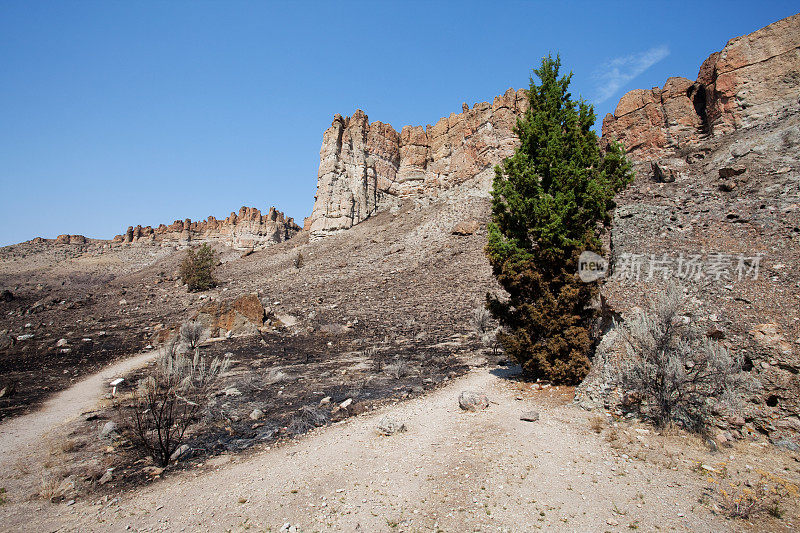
675, 373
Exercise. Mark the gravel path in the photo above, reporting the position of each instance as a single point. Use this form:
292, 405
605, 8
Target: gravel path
22, 435
450, 471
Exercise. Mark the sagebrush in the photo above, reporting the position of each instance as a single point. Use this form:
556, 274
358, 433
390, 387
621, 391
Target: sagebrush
674, 372
170, 399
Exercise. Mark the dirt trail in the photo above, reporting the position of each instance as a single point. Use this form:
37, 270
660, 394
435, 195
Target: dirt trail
451, 471
21, 435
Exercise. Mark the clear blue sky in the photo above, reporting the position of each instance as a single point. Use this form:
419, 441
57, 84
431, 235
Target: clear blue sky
121, 113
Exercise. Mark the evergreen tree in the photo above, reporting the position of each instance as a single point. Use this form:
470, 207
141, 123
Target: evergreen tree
197, 268
549, 201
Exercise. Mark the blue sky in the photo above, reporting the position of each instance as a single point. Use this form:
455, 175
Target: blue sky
124, 113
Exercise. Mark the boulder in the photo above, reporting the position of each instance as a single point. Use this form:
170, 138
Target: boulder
389, 426
529, 416
465, 228
473, 401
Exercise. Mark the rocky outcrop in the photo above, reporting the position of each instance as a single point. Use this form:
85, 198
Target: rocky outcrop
715, 208
366, 166
751, 78
246, 230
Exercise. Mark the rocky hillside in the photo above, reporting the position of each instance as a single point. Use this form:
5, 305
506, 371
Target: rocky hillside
715, 207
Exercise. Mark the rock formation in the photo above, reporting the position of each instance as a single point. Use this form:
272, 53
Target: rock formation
365, 166
246, 230
715, 207
752, 78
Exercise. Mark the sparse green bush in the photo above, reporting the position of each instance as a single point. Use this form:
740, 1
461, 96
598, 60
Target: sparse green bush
169, 400
672, 370
197, 268
548, 201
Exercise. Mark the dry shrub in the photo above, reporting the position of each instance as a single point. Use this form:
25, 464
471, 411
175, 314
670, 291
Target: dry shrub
55, 486
597, 423
169, 400
192, 333
769, 494
308, 418
674, 372
399, 369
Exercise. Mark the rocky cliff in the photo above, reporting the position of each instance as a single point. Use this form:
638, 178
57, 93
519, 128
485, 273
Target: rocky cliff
366, 166
750, 80
715, 207
245, 230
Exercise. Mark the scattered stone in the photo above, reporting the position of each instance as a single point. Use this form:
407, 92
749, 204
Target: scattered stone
232, 391
325, 401
257, 414
465, 228
153, 471
345, 404
106, 477
289, 528
473, 401
180, 452
662, 173
109, 429
389, 426
61, 343
25, 337
529, 416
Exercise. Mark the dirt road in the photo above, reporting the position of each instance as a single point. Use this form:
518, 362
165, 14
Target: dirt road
450, 471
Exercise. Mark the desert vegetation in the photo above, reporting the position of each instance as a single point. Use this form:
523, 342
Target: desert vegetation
673, 372
197, 268
171, 397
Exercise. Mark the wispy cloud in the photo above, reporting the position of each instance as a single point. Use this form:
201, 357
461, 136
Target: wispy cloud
618, 71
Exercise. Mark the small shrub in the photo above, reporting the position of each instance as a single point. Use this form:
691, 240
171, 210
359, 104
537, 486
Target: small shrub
308, 418
597, 423
192, 334
197, 268
768, 495
298, 260
676, 373
481, 320
169, 400
398, 369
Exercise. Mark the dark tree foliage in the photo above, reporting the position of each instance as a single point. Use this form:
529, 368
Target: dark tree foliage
549, 202
197, 268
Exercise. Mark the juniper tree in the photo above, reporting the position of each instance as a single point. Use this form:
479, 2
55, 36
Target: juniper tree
549, 201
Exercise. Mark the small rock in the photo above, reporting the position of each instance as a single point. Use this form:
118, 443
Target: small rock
109, 428
529, 416
25, 337
232, 391
123, 302
181, 451
61, 343
389, 426
467, 227
106, 477
153, 470
345, 404
257, 414
473, 401
325, 401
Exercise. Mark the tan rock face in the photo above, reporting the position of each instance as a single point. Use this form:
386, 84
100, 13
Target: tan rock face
244, 230
754, 76
365, 166
239, 316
